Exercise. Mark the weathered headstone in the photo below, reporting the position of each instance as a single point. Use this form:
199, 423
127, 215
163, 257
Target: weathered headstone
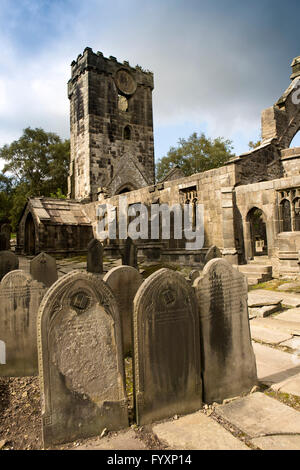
20, 298
8, 262
124, 281
3, 242
80, 360
95, 257
212, 253
5, 234
229, 366
129, 255
6, 228
167, 366
193, 275
43, 269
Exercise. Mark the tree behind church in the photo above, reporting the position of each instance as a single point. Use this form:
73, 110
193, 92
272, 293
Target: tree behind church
195, 155
38, 164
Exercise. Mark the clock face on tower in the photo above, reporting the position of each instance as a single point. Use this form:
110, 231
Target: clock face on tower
125, 82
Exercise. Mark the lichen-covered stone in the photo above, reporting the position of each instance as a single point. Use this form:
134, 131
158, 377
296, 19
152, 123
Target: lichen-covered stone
167, 366
80, 360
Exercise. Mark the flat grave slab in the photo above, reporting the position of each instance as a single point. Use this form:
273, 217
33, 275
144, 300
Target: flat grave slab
197, 432
259, 415
274, 366
261, 297
259, 333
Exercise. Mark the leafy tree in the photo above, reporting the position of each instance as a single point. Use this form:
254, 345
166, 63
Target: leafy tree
39, 159
37, 165
252, 145
58, 194
195, 155
6, 197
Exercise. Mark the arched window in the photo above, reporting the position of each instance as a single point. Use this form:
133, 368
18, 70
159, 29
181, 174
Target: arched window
285, 216
296, 208
296, 140
127, 133
195, 201
258, 232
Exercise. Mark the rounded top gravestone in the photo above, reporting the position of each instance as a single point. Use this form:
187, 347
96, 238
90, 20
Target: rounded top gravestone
80, 359
4, 241
43, 269
124, 281
213, 252
8, 262
16, 278
229, 367
95, 257
167, 364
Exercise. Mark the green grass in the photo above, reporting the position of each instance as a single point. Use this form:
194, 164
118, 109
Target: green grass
148, 270
271, 285
287, 399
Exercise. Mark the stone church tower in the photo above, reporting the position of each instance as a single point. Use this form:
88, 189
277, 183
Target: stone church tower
112, 149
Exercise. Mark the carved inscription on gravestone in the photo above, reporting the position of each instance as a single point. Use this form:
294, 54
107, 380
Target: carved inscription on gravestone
229, 366
20, 298
167, 348
43, 269
80, 360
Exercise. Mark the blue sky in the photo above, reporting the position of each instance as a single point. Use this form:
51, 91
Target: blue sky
216, 63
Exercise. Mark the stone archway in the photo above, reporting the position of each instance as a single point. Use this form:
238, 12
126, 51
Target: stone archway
125, 188
30, 236
256, 240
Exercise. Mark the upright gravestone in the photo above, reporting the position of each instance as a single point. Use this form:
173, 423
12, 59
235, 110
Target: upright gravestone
124, 281
193, 275
80, 360
129, 256
6, 228
95, 257
3, 242
20, 298
229, 366
8, 262
212, 253
5, 237
167, 366
43, 269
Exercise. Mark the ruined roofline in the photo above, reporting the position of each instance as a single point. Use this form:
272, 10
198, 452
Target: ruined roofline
91, 61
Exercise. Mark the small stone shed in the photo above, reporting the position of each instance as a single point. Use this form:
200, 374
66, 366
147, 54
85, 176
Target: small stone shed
53, 225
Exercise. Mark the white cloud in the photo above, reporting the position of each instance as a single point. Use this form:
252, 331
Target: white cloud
209, 66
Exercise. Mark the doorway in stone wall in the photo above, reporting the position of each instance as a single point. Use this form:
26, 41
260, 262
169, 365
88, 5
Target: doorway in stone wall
29, 242
258, 232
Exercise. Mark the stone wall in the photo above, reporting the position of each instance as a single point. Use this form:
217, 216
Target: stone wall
283, 246
213, 189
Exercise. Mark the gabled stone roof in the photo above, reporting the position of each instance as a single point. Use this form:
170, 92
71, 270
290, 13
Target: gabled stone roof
174, 174
59, 211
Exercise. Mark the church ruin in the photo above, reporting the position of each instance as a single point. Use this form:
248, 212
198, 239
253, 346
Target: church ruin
251, 205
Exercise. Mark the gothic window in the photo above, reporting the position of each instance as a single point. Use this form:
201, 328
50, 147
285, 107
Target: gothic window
296, 208
194, 213
285, 208
127, 133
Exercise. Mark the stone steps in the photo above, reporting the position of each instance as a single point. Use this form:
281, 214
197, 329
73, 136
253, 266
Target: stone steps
264, 260
256, 272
